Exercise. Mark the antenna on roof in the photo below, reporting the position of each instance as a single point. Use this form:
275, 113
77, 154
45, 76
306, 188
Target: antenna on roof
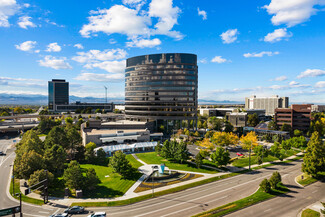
105, 93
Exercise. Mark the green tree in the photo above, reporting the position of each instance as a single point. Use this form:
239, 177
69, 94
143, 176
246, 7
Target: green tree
80, 153
181, 153
205, 125
199, 124
228, 127
275, 179
286, 145
98, 111
214, 123
276, 151
198, 160
68, 120
28, 163
265, 186
74, 140
158, 148
120, 164
286, 128
29, 142
57, 136
252, 120
73, 176
260, 153
90, 154
297, 133
221, 156
92, 179
55, 158
101, 158
272, 125
40, 175
314, 159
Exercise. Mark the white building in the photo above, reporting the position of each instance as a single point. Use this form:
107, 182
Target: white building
267, 103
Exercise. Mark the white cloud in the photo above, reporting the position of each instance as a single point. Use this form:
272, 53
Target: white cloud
202, 13
261, 54
26, 46
134, 3
25, 22
97, 55
278, 35
311, 73
7, 9
203, 61
99, 77
218, 59
292, 12
53, 47
142, 43
280, 78
112, 41
115, 67
293, 83
55, 62
132, 22
229, 36
79, 46
320, 84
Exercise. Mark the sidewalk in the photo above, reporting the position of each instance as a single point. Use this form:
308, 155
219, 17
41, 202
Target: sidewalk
315, 206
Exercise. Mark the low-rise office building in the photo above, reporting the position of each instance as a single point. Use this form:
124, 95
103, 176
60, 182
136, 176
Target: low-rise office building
269, 104
298, 116
237, 119
317, 108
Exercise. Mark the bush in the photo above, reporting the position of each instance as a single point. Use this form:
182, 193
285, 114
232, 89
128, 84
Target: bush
275, 179
265, 186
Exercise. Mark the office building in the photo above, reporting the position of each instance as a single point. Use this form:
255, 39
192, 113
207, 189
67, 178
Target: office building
267, 103
298, 116
162, 88
58, 91
318, 108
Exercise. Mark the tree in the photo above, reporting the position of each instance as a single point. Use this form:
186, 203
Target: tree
68, 120
40, 175
249, 141
252, 120
297, 133
90, 154
272, 125
205, 125
204, 153
98, 111
224, 139
228, 127
286, 128
314, 159
275, 179
197, 134
30, 142
206, 144
57, 136
120, 164
286, 145
221, 156
276, 151
214, 123
158, 148
101, 158
265, 186
73, 176
260, 152
91, 179
80, 153
28, 163
74, 139
198, 160
55, 158
181, 153
208, 134
199, 124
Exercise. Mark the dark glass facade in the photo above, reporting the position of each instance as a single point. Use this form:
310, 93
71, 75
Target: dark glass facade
161, 87
58, 93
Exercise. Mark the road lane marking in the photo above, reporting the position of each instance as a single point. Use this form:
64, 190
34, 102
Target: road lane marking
268, 210
43, 212
6, 158
34, 215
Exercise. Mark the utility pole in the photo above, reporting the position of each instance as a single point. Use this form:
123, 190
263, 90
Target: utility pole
105, 93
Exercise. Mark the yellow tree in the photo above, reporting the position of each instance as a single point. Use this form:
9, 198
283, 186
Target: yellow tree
224, 138
247, 142
206, 144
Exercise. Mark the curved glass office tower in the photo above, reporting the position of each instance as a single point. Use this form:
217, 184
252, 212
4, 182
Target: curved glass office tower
162, 87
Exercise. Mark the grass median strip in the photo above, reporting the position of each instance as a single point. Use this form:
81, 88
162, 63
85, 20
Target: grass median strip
310, 213
255, 198
23, 197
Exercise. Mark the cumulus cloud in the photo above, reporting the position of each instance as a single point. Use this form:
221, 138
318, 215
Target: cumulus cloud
202, 13
134, 3
114, 67
261, 54
25, 22
278, 35
292, 12
53, 47
26, 46
97, 55
142, 43
218, 59
311, 73
280, 78
229, 36
203, 61
7, 9
55, 62
99, 77
79, 46
320, 84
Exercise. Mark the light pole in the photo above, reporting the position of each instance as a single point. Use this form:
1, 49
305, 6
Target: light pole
21, 212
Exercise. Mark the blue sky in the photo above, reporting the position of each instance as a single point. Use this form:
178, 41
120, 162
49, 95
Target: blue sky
263, 48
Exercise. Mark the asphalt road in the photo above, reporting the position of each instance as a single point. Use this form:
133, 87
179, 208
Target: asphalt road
195, 200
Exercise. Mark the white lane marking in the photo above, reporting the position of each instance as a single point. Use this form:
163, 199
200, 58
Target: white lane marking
254, 180
43, 212
268, 210
6, 158
314, 191
56, 211
192, 207
34, 215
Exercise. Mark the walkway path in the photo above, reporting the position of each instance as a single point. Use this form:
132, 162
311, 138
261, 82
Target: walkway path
138, 159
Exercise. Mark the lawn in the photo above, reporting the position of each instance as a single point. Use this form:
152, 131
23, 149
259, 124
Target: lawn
310, 213
112, 184
257, 197
136, 164
243, 162
308, 179
153, 158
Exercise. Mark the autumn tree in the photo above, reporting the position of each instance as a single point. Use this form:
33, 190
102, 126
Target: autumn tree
248, 142
206, 143
224, 139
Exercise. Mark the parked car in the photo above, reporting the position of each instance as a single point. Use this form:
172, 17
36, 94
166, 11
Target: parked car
75, 210
98, 214
2, 153
239, 154
60, 215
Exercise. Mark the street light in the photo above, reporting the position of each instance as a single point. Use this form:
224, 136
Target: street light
21, 212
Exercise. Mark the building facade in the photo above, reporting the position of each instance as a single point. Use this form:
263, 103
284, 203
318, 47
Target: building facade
162, 88
298, 117
58, 93
267, 103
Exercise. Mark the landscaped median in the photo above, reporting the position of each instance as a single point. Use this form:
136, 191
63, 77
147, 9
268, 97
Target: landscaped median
305, 179
310, 213
255, 198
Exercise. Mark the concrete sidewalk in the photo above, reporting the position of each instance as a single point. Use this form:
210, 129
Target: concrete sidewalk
315, 206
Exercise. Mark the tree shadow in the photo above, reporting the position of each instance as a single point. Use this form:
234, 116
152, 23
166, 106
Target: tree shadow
102, 192
293, 186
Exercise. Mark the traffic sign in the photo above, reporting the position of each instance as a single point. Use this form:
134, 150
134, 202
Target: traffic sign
9, 211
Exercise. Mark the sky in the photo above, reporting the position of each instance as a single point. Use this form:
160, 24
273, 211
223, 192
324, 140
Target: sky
244, 48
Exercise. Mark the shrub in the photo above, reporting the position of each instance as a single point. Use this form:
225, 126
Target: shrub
265, 186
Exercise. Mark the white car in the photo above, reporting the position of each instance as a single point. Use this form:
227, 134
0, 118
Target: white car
98, 214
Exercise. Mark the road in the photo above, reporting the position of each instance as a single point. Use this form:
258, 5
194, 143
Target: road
198, 199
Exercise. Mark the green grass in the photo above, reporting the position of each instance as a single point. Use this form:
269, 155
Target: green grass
310, 213
257, 197
153, 158
136, 164
112, 186
23, 197
308, 179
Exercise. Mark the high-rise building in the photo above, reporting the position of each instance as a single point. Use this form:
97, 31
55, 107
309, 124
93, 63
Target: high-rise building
162, 87
58, 91
267, 103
